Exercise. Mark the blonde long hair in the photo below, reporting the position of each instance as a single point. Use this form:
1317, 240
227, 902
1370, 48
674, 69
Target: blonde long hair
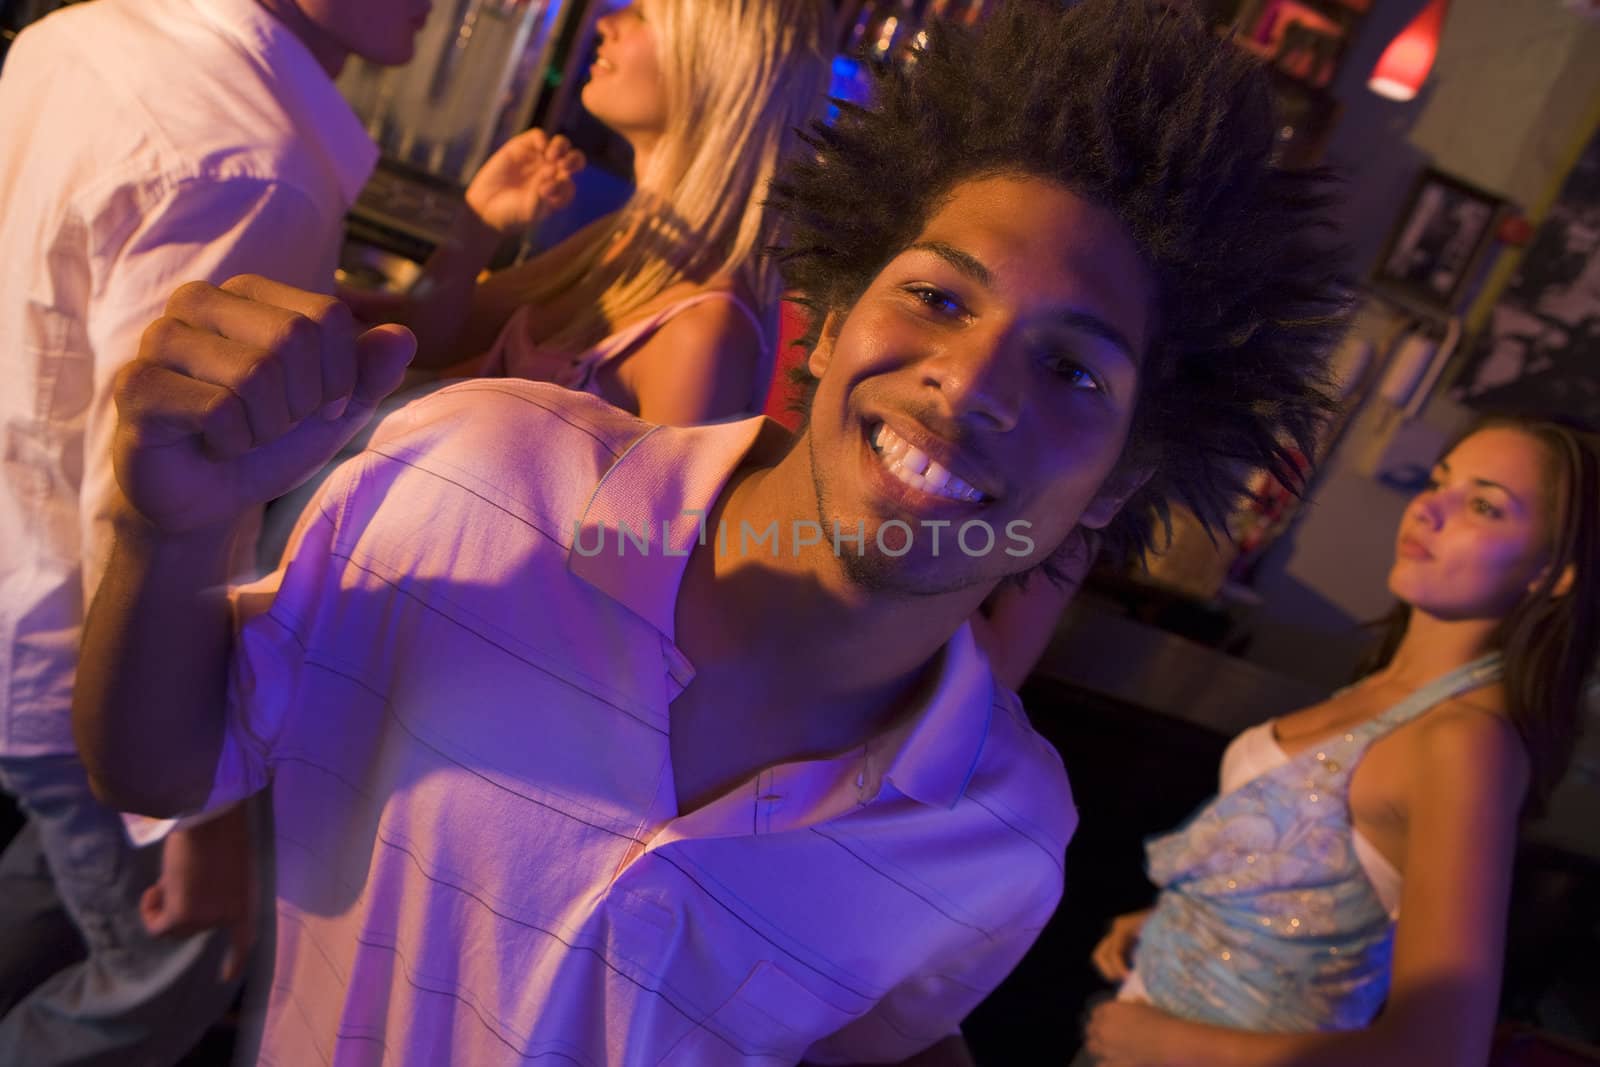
741, 77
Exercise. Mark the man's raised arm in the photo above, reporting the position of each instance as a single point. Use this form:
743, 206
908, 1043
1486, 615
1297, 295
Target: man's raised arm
239, 393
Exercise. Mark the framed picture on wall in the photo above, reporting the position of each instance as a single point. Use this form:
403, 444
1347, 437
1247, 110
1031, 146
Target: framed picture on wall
1437, 241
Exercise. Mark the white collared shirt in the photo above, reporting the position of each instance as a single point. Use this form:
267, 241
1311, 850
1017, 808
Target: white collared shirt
143, 143
479, 854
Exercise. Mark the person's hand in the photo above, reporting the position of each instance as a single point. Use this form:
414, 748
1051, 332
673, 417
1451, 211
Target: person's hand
241, 392
207, 881
1124, 1033
1113, 956
530, 176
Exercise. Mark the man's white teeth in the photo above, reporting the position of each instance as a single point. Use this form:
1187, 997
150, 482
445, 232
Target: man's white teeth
913, 467
914, 461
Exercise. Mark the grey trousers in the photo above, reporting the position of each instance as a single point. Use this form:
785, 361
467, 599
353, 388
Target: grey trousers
133, 1000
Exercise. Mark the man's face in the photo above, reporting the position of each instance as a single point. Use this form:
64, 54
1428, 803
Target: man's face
988, 374
380, 31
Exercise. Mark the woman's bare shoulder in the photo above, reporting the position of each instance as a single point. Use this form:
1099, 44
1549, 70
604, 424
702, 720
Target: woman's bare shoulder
1470, 740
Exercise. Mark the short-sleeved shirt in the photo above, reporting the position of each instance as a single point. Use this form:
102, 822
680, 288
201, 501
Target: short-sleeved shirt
143, 144
460, 686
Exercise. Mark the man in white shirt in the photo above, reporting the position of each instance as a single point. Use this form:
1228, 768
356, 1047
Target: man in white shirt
619, 744
142, 143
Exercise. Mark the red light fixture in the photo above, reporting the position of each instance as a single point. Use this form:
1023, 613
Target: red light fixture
1404, 65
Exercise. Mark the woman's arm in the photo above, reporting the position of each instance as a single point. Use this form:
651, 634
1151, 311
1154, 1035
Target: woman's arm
1470, 775
447, 308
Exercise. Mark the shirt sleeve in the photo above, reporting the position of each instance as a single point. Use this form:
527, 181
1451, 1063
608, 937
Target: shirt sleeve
272, 618
924, 1010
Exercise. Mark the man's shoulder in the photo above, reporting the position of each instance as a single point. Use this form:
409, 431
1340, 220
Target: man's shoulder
518, 414
52, 49
151, 83
59, 30
1021, 779
115, 38
161, 66
532, 442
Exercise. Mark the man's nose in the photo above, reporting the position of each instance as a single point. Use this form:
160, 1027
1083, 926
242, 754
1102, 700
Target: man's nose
981, 379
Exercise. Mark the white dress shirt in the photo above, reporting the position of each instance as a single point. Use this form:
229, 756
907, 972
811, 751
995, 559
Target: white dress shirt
143, 143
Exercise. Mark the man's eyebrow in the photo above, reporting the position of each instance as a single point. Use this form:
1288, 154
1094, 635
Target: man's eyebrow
1095, 326
971, 266
965, 262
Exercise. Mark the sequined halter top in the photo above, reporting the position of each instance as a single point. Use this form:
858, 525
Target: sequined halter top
1267, 920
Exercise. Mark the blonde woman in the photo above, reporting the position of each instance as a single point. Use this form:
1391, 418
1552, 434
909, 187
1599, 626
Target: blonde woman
665, 308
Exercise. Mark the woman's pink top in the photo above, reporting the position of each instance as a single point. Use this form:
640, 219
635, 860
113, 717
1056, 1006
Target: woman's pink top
515, 354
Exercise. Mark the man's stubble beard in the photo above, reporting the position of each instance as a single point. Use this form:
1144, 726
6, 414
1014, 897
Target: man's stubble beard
873, 571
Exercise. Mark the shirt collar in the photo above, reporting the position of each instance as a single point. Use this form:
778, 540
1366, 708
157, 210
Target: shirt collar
659, 484
671, 472
931, 756
311, 99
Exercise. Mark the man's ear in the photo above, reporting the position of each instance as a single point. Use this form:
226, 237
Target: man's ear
822, 352
1114, 492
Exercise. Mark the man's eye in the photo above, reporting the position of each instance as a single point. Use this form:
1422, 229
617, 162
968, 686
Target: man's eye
1076, 374
937, 301
1079, 376
1061, 360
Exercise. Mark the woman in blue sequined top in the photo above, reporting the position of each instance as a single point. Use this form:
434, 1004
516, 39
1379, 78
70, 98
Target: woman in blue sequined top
1359, 855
